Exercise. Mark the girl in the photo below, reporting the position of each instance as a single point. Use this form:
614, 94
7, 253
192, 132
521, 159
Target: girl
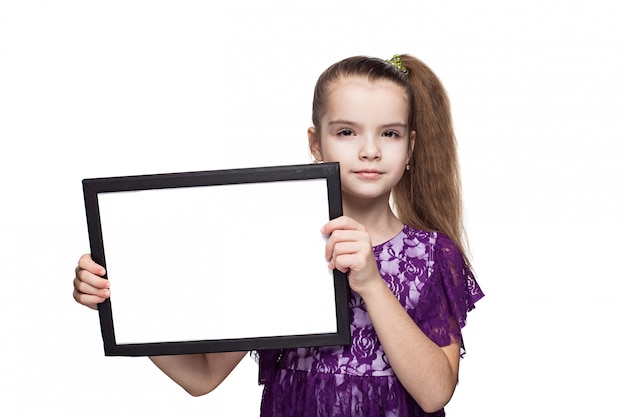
388, 124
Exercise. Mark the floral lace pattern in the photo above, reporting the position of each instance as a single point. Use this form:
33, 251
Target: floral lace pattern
428, 275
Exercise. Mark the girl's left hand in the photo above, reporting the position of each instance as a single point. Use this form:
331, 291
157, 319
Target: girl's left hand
349, 249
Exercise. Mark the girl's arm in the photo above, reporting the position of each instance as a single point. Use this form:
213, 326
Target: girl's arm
428, 372
201, 373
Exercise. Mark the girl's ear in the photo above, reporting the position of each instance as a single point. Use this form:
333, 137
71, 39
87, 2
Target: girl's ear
314, 145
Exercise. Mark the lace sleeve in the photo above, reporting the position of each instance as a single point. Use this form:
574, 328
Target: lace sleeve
448, 295
268, 364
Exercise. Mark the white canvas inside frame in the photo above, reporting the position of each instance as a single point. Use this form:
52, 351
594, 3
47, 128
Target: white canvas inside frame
218, 262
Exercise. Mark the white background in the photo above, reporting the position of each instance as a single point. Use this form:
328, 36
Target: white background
103, 88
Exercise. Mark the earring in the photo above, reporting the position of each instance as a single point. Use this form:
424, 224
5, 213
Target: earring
408, 167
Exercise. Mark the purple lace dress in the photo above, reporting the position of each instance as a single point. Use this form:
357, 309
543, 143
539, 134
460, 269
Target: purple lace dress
429, 276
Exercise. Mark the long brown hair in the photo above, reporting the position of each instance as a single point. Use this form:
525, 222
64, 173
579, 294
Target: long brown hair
428, 197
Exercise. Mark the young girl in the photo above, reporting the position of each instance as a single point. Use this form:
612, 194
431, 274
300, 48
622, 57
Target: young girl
388, 124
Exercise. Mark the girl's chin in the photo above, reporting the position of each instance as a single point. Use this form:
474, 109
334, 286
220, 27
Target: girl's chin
365, 195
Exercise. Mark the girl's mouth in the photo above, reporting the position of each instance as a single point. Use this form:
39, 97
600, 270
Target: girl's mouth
368, 174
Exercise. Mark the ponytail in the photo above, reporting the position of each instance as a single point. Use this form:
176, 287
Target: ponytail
428, 196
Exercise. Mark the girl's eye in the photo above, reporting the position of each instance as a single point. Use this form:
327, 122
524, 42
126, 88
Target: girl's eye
391, 134
345, 132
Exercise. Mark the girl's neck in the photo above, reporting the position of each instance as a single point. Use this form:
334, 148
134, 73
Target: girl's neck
377, 217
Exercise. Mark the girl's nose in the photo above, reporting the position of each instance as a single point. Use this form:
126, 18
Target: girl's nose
370, 148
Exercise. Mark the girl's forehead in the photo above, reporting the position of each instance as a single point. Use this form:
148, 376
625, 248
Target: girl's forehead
357, 81
353, 94
358, 87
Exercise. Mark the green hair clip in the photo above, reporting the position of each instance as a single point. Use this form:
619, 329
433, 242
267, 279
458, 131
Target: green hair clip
396, 61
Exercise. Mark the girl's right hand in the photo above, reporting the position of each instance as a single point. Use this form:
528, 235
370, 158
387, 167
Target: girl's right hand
90, 289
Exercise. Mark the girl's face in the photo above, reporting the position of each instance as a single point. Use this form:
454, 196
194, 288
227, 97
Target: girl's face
365, 129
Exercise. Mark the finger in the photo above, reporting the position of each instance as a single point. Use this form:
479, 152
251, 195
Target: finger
84, 276
348, 255
342, 236
340, 249
88, 295
87, 263
345, 262
90, 301
88, 289
341, 223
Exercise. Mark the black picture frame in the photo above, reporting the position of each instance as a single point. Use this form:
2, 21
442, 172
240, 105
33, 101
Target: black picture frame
127, 210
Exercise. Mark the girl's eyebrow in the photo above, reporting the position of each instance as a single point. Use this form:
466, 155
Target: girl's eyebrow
396, 125
385, 126
342, 122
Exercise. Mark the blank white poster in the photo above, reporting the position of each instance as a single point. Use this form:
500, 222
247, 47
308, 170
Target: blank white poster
218, 262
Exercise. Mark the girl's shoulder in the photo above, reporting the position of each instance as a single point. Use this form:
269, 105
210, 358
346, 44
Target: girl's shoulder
442, 247
436, 243
450, 292
408, 237
452, 267
426, 245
